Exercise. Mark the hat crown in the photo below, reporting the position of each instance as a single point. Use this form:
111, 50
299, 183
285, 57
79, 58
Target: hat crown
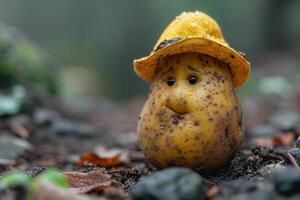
192, 25
198, 33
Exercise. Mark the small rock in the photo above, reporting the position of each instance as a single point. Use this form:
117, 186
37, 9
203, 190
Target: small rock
257, 195
9, 105
45, 116
297, 143
174, 183
285, 120
265, 130
243, 185
13, 103
22, 119
287, 181
270, 169
243, 188
12, 147
64, 127
294, 197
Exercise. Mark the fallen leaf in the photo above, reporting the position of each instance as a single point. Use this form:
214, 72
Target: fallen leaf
91, 182
278, 140
263, 141
103, 157
284, 139
46, 190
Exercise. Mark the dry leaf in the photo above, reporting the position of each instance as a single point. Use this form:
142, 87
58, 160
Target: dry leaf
277, 140
48, 191
91, 182
103, 157
263, 141
284, 139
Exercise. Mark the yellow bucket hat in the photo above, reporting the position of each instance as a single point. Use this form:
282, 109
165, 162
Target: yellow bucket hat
194, 32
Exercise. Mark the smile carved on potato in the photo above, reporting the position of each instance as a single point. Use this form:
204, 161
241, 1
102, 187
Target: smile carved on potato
192, 116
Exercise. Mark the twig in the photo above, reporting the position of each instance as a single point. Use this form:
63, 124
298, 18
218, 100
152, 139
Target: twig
270, 156
114, 171
216, 181
209, 182
293, 160
221, 178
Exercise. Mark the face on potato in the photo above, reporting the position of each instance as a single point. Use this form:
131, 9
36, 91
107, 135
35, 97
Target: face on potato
192, 116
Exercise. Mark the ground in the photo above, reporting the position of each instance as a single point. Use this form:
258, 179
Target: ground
101, 137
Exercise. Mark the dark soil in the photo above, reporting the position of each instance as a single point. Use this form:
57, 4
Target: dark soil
115, 126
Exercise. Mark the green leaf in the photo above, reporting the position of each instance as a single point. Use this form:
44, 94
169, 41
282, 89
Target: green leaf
55, 177
14, 178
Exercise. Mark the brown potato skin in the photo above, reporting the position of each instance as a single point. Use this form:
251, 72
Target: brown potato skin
196, 126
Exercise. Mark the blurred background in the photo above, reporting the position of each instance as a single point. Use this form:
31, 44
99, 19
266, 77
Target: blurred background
81, 49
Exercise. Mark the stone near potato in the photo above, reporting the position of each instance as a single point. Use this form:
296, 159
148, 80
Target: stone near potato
170, 184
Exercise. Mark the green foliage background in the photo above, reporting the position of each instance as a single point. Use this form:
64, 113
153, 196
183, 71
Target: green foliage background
103, 37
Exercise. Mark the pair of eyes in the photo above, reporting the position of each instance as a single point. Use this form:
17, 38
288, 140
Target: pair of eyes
191, 79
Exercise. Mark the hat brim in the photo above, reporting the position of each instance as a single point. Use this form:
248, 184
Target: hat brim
239, 66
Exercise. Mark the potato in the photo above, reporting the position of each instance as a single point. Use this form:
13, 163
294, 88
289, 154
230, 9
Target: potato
192, 116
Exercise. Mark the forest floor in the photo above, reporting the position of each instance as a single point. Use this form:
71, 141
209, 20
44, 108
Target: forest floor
100, 141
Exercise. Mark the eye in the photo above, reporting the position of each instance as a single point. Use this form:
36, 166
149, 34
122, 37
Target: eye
192, 80
171, 81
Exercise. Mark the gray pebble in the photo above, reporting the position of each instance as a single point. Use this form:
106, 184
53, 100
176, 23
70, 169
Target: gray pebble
174, 183
285, 120
67, 127
45, 116
287, 181
11, 147
297, 143
265, 130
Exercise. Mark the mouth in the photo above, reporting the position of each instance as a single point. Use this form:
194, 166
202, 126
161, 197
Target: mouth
176, 116
176, 111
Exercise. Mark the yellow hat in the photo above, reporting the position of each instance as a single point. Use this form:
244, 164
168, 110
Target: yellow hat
194, 32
